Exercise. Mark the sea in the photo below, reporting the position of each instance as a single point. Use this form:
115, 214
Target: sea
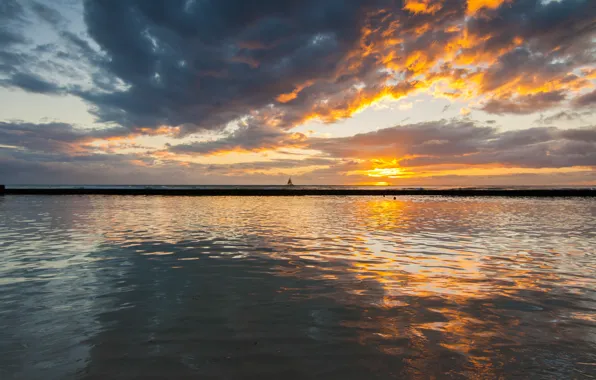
310, 287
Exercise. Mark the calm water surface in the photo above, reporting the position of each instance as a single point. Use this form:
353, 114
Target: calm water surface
107, 287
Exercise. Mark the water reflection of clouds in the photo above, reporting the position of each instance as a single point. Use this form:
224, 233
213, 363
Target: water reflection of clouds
424, 282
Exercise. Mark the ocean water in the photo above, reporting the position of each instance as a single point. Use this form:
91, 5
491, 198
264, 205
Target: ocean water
117, 287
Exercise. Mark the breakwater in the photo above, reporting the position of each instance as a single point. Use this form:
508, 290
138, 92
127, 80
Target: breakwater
247, 191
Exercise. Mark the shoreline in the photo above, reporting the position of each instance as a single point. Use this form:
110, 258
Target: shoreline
304, 192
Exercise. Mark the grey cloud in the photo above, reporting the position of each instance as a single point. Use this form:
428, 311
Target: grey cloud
525, 104
464, 142
52, 137
48, 68
118, 170
441, 138
279, 164
208, 63
561, 27
8, 38
11, 10
47, 13
586, 100
44, 153
248, 137
11, 14
31, 83
563, 116
22, 168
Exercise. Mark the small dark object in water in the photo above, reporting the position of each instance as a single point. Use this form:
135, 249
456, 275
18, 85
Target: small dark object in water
2, 188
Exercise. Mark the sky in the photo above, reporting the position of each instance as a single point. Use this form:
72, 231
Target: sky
346, 92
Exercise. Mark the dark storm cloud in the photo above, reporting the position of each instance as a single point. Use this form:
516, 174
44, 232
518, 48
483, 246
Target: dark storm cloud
566, 26
464, 142
202, 64
207, 63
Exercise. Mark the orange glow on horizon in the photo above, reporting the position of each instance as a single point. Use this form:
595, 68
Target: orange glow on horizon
386, 172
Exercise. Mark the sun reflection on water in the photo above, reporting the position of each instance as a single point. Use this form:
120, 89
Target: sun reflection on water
474, 286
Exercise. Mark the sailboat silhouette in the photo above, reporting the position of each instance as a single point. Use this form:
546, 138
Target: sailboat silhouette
290, 182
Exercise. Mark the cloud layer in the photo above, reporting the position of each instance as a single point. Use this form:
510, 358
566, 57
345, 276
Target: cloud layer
251, 71
203, 64
465, 142
431, 149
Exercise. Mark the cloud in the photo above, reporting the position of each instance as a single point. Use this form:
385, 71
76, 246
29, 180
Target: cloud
202, 65
247, 138
525, 104
422, 153
178, 68
34, 167
586, 100
31, 83
47, 14
206, 64
421, 138
57, 137
564, 116
11, 10
465, 142
11, 14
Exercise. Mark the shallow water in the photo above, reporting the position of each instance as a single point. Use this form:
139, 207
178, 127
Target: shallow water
103, 287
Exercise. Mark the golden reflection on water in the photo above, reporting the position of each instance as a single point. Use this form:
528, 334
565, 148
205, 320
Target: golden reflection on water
464, 282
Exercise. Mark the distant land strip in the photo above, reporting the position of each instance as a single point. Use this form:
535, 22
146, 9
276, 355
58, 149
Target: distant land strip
464, 192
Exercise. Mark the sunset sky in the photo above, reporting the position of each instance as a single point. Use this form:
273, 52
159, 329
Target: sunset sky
413, 92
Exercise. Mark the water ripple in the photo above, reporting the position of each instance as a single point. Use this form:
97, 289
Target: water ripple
346, 287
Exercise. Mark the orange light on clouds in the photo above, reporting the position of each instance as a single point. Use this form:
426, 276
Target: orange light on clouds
422, 6
475, 5
284, 98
